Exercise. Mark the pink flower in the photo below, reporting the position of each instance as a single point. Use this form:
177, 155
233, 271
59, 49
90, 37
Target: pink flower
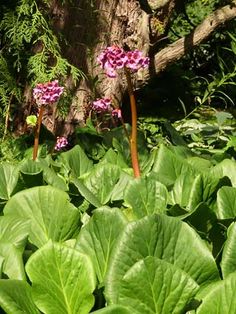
47, 93
61, 143
136, 61
116, 113
101, 105
114, 58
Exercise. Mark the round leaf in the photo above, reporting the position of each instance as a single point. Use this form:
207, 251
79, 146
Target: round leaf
99, 236
9, 175
16, 297
228, 262
221, 298
146, 196
49, 211
163, 237
63, 280
226, 203
155, 286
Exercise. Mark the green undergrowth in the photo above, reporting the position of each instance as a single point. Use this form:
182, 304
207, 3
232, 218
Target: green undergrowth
80, 235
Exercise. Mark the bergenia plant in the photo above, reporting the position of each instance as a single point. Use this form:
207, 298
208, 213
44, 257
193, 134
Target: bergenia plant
112, 59
44, 94
101, 105
61, 143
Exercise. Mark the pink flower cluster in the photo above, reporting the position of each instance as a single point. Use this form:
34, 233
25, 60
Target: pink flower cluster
47, 93
101, 105
114, 58
61, 143
116, 113
104, 105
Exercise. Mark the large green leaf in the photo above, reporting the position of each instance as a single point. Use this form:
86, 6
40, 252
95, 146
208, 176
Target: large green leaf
204, 189
32, 173
226, 203
114, 158
16, 297
76, 161
182, 189
9, 175
169, 167
155, 286
36, 173
226, 168
221, 297
113, 309
99, 236
13, 237
50, 176
146, 196
163, 237
63, 279
85, 192
51, 214
120, 187
228, 262
101, 181
200, 163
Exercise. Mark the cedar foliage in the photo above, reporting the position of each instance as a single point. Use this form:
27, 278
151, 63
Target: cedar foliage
30, 50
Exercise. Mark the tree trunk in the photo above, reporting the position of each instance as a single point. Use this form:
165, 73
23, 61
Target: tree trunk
90, 26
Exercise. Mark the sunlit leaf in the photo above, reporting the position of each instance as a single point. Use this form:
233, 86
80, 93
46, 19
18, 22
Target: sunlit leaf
99, 236
146, 196
16, 297
49, 211
63, 280
163, 237
155, 286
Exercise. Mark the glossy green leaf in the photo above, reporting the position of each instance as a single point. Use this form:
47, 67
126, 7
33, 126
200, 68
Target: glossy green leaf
51, 177
228, 261
120, 187
49, 211
9, 175
99, 236
31, 120
85, 192
16, 297
204, 189
63, 279
36, 173
168, 167
76, 161
182, 189
114, 158
156, 286
13, 237
225, 168
226, 203
201, 164
113, 309
163, 237
101, 181
220, 298
146, 196
32, 173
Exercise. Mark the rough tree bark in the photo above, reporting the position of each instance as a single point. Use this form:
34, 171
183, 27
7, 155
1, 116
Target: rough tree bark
91, 26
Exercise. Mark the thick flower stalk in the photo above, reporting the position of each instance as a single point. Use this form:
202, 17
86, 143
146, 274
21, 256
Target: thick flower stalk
112, 59
44, 94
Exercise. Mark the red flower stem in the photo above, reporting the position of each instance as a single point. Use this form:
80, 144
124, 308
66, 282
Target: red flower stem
133, 139
37, 132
